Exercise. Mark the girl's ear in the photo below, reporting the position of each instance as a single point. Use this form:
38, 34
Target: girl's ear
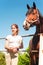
18, 30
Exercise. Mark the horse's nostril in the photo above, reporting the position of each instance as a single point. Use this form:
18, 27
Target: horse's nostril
23, 25
26, 24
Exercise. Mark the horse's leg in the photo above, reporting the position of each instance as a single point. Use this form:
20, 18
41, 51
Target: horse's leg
33, 58
30, 45
37, 59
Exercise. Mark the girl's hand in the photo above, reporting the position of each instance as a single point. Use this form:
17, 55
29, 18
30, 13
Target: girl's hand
15, 50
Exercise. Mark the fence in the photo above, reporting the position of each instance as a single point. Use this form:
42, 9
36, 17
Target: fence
23, 37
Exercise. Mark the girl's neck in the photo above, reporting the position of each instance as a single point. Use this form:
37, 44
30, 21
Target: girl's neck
14, 34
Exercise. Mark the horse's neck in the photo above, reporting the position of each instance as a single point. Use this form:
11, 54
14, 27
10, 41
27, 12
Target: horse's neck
36, 38
41, 28
41, 24
37, 29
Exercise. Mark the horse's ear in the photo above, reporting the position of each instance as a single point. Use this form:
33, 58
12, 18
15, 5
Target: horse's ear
34, 5
28, 6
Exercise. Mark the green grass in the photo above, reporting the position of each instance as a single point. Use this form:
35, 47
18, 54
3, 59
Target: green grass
24, 59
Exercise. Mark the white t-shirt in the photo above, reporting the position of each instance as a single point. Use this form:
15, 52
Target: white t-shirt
14, 41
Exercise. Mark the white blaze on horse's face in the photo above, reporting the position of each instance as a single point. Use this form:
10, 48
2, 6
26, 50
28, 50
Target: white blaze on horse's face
26, 25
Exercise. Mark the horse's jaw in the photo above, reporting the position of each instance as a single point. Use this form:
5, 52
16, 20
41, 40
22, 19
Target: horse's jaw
26, 25
26, 28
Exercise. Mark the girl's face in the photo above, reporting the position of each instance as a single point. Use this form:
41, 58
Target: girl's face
14, 30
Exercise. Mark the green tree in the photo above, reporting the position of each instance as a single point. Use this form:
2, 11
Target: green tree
24, 59
2, 59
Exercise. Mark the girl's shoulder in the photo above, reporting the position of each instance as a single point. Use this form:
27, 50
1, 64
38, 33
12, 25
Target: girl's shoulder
8, 36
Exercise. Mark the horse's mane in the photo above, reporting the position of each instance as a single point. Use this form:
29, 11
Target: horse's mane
40, 17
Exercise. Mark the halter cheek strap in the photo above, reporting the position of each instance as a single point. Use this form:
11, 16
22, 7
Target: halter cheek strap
34, 21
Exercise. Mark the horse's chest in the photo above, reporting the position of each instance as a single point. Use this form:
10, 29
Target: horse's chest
35, 42
35, 47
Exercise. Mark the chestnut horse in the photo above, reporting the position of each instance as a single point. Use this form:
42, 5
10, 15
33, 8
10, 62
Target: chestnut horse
34, 18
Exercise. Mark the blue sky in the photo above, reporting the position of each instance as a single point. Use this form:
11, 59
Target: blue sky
13, 11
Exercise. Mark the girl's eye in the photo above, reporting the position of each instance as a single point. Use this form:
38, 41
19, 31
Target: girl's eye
13, 28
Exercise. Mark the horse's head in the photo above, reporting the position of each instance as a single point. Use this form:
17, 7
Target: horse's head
32, 17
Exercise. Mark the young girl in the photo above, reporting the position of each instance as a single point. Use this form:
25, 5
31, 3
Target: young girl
13, 43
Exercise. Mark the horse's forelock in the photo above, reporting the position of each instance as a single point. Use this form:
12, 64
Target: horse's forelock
29, 11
